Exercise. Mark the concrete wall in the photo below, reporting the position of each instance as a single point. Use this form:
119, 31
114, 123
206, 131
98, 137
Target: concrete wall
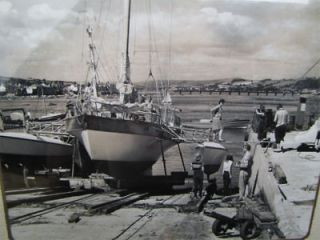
268, 188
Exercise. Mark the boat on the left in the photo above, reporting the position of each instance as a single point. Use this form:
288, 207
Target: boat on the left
23, 147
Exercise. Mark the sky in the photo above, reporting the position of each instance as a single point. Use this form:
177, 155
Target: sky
176, 39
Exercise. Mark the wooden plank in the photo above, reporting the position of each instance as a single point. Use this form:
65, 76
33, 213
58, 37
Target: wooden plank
45, 198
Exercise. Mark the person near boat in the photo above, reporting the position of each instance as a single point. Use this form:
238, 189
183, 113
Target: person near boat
245, 170
217, 127
226, 173
197, 168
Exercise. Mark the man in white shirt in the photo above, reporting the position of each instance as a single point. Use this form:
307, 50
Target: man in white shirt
281, 119
226, 173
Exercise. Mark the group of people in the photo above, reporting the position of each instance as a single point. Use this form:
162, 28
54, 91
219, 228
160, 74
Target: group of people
227, 166
281, 120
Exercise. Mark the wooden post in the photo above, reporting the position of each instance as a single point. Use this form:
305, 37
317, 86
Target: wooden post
5, 232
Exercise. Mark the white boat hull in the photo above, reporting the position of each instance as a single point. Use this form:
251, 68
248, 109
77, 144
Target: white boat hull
120, 148
122, 155
213, 155
34, 151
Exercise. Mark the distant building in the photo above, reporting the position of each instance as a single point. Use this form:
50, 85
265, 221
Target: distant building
3, 89
243, 83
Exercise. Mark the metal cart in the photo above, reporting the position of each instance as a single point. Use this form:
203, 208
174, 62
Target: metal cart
251, 218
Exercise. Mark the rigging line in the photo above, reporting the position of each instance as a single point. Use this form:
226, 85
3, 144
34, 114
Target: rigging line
170, 43
309, 69
100, 77
162, 90
151, 47
83, 29
108, 75
104, 63
158, 91
104, 27
149, 33
100, 60
100, 13
135, 35
154, 42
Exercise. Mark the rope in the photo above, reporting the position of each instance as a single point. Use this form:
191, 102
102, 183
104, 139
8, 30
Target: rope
309, 69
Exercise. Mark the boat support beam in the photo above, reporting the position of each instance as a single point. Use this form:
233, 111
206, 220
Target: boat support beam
5, 231
163, 159
181, 157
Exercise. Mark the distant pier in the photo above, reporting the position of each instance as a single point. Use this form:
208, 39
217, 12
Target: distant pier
237, 92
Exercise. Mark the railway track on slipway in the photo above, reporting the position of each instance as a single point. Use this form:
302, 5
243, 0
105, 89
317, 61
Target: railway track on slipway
91, 203
147, 217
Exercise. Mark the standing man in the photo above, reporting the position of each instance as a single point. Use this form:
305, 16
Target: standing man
226, 173
261, 122
217, 127
197, 168
281, 119
245, 170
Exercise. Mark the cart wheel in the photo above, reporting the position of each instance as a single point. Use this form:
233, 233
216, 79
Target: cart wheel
219, 227
248, 230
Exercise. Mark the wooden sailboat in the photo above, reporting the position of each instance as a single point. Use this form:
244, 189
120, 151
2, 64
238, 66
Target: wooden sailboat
120, 138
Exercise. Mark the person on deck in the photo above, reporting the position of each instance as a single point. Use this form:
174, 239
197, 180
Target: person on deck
281, 119
217, 127
197, 168
245, 171
226, 173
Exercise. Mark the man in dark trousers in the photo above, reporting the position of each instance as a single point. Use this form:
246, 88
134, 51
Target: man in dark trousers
245, 165
281, 119
226, 173
197, 168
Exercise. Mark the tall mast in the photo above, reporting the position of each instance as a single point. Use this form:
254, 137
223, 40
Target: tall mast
125, 86
93, 63
126, 73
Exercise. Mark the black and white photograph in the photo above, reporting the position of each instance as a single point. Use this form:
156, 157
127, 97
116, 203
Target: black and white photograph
159, 119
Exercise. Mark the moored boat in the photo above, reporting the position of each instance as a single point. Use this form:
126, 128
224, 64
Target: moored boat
29, 149
212, 156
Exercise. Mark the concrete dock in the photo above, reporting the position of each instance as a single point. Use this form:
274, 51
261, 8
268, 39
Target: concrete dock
292, 202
